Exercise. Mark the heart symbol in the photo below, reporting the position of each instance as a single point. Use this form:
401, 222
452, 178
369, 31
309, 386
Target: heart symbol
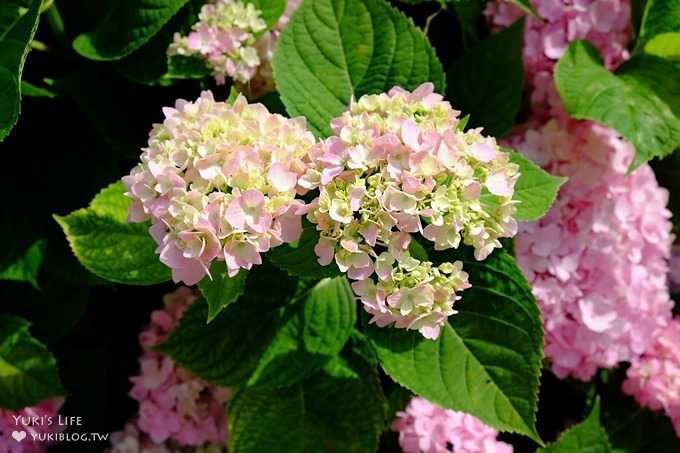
19, 435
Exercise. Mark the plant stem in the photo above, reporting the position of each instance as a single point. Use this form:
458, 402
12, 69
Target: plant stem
57, 25
41, 46
430, 18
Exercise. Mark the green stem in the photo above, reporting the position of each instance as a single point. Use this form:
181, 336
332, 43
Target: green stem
57, 25
40, 46
430, 18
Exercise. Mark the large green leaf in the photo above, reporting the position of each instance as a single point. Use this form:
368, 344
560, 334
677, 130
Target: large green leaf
266, 344
17, 28
127, 26
271, 10
299, 259
221, 290
536, 189
108, 246
332, 50
587, 436
28, 371
341, 408
486, 362
641, 101
486, 81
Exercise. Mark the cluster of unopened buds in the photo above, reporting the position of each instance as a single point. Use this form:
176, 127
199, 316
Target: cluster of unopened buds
219, 182
399, 164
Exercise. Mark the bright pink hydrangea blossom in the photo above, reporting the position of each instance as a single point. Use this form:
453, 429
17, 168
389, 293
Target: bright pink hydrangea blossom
654, 378
597, 260
45, 410
427, 428
176, 409
397, 165
219, 182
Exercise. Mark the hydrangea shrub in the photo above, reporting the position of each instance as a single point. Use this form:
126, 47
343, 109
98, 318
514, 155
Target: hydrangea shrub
398, 226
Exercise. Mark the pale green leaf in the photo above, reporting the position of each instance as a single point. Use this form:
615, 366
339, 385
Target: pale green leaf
641, 101
108, 246
219, 289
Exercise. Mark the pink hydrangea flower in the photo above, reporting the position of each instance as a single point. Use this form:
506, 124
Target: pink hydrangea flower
398, 165
597, 260
176, 409
605, 23
228, 36
34, 421
424, 427
219, 182
654, 378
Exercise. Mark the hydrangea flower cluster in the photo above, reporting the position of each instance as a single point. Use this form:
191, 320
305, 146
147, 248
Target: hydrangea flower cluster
225, 36
654, 378
176, 409
218, 182
597, 260
229, 37
605, 23
8, 424
427, 428
398, 164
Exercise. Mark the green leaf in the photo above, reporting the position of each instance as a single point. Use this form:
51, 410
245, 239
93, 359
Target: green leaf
28, 371
332, 50
26, 268
587, 436
665, 45
486, 81
108, 246
221, 290
487, 360
300, 259
536, 189
659, 17
526, 6
186, 67
308, 335
28, 89
327, 412
641, 101
271, 10
17, 28
126, 27
265, 344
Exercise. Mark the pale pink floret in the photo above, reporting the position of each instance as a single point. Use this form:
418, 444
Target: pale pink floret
176, 409
219, 182
398, 165
654, 378
424, 427
34, 421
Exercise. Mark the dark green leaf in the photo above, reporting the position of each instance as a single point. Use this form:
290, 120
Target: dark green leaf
300, 260
332, 50
486, 81
660, 17
330, 411
16, 34
28, 371
126, 27
588, 436
221, 290
25, 269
